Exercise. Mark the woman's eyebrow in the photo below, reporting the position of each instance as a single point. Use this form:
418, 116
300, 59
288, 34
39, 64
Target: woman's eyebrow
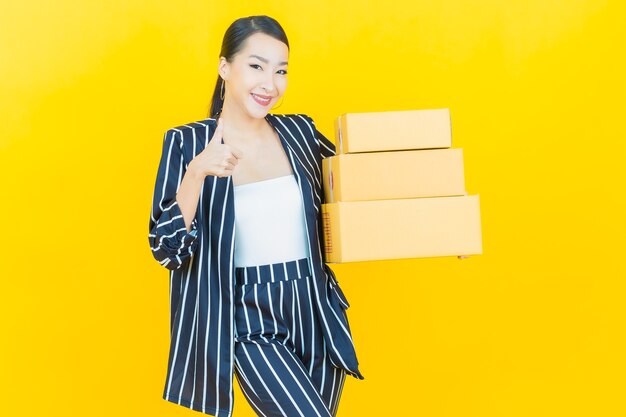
260, 58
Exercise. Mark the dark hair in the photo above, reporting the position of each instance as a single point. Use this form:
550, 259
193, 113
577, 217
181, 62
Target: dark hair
234, 38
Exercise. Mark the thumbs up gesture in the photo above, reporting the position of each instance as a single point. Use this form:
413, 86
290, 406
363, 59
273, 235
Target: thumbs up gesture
217, 158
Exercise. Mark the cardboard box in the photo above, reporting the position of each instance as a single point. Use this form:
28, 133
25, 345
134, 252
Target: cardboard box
390, 175
407, 228
393, 131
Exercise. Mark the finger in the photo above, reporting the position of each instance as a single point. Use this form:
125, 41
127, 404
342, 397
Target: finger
236, 152
235, 155
225, 172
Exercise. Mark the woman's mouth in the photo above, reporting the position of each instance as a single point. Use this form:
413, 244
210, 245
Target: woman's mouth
262, 100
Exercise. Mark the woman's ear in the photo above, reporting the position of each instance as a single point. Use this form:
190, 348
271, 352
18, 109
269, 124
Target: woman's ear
223, 68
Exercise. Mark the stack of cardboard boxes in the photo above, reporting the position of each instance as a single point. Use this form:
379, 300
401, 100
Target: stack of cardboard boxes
396, 189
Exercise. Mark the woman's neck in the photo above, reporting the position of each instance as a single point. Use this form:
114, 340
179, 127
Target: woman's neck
241, 124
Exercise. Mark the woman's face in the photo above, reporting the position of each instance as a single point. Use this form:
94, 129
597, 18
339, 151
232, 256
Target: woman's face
257, 77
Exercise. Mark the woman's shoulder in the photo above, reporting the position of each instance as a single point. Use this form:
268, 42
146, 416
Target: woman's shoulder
193, 130
300, 121
293, 116
194, 126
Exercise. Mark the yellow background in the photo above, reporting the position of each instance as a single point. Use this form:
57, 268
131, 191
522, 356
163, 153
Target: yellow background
534, 327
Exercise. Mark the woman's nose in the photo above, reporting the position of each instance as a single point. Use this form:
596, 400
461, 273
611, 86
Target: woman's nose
268, 84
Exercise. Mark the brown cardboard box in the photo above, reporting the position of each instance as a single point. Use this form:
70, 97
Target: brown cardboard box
393, 130
389, 175
404, 228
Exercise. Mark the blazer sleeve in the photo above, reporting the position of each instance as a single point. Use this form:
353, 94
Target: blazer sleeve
169, 240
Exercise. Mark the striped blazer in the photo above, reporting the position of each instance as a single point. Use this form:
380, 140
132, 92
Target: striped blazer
201, 263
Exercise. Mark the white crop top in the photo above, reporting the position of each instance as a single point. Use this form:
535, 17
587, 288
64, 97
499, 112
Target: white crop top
269, 222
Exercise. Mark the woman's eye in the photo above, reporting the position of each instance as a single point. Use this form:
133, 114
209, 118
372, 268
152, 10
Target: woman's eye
255, 66
282, 72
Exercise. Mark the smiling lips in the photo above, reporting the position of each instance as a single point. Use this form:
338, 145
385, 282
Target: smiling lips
262, 100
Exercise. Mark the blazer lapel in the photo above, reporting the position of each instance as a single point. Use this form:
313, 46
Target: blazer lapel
303, 176
289, 140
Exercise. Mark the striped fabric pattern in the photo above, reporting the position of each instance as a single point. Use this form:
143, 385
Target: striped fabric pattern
201, 264
280, 355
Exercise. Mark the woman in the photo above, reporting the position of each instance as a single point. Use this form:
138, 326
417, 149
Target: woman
236, 219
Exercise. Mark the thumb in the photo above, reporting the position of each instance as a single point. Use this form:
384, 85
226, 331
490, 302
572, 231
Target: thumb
218, 135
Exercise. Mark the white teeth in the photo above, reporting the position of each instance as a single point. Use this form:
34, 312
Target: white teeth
262, 99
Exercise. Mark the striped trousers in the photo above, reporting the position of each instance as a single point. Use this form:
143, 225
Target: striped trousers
280, 354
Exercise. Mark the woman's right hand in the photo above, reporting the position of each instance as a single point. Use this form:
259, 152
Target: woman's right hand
217, 158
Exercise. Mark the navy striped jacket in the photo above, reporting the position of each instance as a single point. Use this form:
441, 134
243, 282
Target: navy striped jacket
201, 263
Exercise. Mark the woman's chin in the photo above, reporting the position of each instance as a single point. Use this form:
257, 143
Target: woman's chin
258, 112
